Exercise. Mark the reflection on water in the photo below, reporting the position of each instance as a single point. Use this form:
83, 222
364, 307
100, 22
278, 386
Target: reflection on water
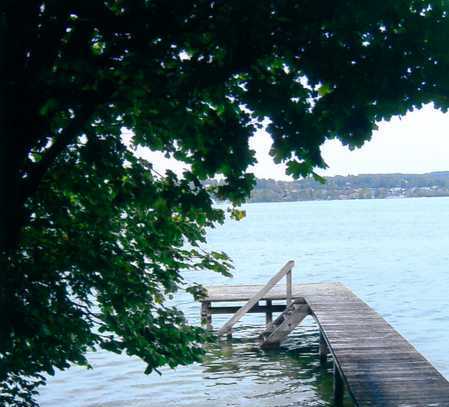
389, 252
235, 372
288, 376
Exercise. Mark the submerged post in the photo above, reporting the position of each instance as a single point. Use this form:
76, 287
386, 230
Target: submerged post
206, 315
338, 387
323, 349
269, 313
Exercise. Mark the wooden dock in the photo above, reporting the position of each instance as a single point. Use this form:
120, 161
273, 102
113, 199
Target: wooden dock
372, 361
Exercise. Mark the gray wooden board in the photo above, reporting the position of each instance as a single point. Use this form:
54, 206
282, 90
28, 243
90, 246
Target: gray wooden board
379, 367
231, 293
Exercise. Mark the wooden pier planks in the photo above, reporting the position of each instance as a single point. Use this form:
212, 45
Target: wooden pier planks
231, 293
378, 366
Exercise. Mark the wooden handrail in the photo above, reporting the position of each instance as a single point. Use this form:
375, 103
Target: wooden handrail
286, 270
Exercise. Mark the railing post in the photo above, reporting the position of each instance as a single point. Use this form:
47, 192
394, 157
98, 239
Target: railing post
289, 287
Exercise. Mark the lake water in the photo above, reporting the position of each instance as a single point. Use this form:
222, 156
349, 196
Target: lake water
394, 254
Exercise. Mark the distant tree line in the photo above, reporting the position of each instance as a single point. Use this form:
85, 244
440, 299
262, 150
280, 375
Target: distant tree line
366, 186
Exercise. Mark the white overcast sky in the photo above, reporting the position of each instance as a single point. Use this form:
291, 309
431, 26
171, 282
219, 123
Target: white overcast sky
415, 143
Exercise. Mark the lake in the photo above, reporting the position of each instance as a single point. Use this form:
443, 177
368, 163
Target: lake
394, 254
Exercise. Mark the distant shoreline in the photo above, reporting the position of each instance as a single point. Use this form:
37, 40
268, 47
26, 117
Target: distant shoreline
351, 199
367, 186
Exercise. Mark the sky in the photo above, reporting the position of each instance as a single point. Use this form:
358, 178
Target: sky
415, 143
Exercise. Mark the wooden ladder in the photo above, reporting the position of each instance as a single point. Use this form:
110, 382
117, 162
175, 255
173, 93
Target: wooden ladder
292, 316
285, 271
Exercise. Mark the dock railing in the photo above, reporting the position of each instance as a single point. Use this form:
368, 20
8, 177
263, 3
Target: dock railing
285, 271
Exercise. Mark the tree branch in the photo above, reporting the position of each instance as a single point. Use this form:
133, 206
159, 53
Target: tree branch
67, 137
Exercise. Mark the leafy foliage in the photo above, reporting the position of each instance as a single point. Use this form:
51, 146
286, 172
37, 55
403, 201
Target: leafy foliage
92, 240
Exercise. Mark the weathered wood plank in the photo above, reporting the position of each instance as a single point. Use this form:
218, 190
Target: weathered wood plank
284, 324
229, 293
378, 365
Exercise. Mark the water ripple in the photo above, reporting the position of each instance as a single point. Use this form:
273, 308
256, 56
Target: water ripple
392, 253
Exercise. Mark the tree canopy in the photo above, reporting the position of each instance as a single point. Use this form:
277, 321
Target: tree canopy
92, 239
